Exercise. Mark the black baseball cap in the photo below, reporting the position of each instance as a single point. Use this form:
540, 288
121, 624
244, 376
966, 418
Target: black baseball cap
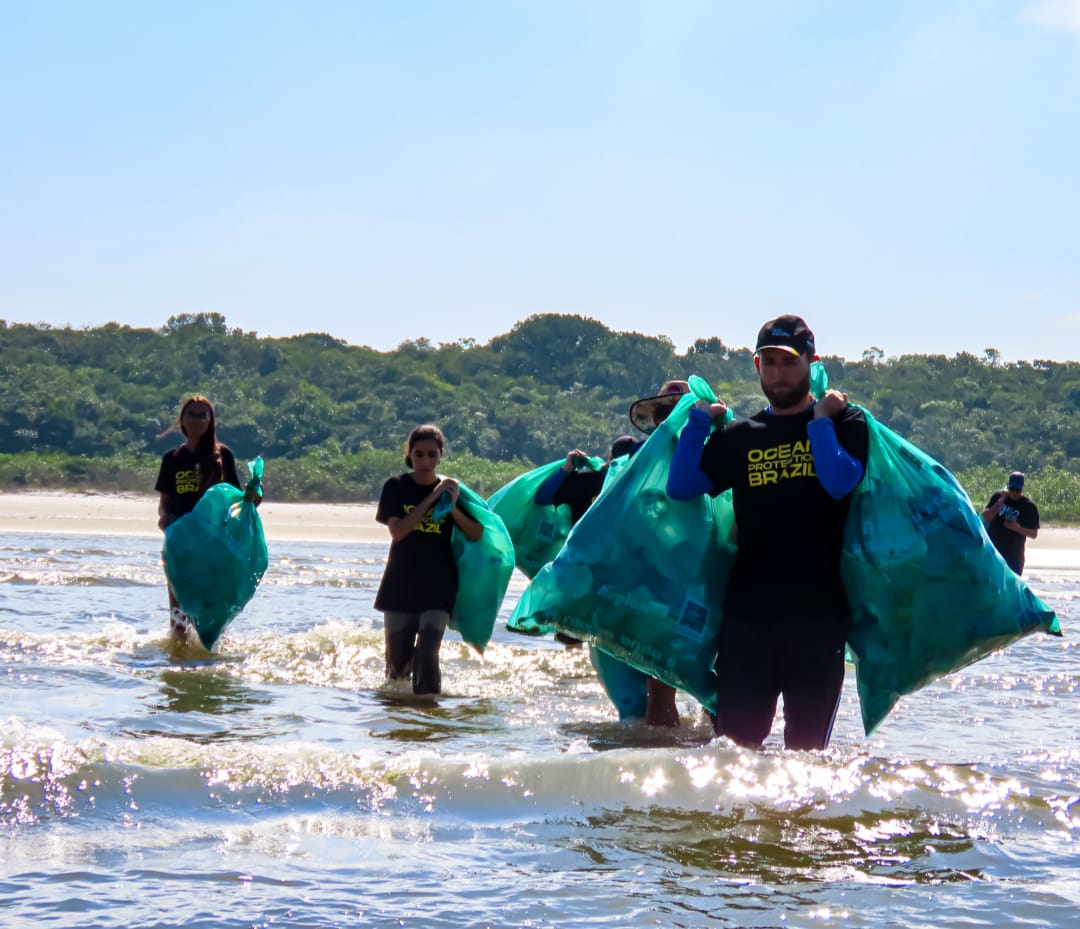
1016, 480
789, 333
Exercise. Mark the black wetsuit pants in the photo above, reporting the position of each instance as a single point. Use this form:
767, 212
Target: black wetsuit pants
758, 662
412, 647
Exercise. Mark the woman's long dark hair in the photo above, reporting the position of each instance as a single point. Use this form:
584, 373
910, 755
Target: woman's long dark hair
208, 452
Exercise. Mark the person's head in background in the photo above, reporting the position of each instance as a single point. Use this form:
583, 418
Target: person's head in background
623, 445
1015, 485
197, 421
649, 412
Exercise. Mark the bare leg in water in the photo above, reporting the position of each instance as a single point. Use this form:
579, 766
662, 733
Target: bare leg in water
661, 709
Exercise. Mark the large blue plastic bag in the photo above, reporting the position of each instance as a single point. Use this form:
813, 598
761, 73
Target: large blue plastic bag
216, 555
642, 575
928, 591
538, 532
484, 569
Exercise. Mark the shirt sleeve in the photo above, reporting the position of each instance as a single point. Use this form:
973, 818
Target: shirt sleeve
838, 471
545, 493
228, 468
686, 479
389, 502
161, 485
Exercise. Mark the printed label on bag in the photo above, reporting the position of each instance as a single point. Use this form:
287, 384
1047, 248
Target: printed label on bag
692, 620
546, 530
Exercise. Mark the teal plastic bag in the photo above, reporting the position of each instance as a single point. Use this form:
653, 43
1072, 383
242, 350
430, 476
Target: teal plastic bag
538, 532
928, 591
216, 555
484, 569
642, 575
627, 688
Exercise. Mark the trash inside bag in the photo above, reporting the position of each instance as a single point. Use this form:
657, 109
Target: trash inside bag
642, 575
538, 532
484, 569
928, 591
216, 555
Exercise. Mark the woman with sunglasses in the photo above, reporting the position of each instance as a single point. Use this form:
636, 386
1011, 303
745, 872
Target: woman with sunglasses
420, 582
185, 474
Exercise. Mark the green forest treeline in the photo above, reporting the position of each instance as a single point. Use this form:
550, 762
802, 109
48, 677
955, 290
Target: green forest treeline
83, 408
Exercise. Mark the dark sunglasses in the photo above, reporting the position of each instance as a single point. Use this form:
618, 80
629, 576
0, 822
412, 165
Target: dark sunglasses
196, 414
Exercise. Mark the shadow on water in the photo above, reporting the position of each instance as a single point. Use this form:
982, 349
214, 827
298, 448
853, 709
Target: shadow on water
203, 705
610, 735
430, 718
773, 848
197, 690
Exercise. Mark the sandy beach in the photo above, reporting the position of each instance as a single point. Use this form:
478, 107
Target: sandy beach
136, 514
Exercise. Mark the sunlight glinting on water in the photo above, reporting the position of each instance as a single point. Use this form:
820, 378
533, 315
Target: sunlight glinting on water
283, 766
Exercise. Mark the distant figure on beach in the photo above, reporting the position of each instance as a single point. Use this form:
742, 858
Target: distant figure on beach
420, 582
1011, 519
185, 474
791, 469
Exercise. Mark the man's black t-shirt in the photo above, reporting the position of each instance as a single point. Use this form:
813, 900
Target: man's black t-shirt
1009, 543
789, 529
578, 491
179, 478
421, 573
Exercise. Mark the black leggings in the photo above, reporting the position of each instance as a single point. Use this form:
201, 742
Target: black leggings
758, 662
412, 647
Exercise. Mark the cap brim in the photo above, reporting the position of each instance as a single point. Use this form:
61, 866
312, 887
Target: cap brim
782, 348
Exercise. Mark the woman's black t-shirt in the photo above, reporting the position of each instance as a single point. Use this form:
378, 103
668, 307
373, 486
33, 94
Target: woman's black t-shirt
179, 478
421, 573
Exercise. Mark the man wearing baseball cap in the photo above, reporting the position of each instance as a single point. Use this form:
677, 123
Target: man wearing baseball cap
1011, 519
791, 468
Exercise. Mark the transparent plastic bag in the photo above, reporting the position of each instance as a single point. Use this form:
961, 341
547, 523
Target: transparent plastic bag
216, 555
641, 575
538, 532
484, 569
928, 591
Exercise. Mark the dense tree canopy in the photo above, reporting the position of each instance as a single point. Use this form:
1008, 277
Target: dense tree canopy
88, 407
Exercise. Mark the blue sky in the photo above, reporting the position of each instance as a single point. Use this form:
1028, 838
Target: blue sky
905, 175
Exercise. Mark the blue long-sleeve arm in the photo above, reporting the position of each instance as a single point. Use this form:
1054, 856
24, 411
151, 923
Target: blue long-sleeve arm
837, 471
686, 480
545, 493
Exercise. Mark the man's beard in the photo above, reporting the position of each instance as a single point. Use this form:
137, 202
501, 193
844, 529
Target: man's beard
784, 398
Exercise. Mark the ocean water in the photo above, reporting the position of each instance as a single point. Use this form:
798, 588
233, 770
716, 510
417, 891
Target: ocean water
276, 783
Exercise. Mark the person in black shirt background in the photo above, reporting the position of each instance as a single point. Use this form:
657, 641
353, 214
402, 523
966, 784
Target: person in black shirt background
185, 474
420, 582
636, 694
1011, 519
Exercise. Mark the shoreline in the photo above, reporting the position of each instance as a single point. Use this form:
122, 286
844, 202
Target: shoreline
136, 514
61, 512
